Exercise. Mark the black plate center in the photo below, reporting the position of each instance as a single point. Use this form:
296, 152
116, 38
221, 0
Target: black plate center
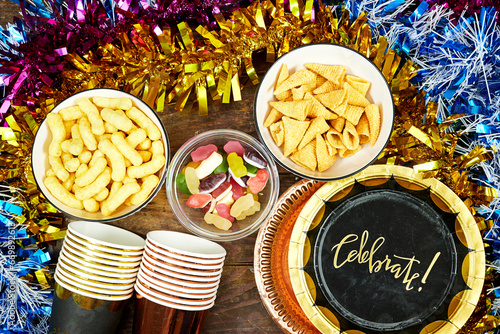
385, 259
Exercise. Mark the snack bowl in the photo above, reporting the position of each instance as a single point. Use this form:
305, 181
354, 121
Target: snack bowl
44, 137
356, 64
193, 218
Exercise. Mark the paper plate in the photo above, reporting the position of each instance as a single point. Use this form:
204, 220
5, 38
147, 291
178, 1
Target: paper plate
386, 251
270, 260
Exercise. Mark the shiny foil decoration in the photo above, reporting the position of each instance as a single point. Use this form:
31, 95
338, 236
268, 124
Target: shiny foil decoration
198, 53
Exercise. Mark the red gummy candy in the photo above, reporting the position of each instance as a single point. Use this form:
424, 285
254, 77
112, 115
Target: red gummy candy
236, 188
221, 191
198, 200
223, 211
203, 152
258, 182
234, 146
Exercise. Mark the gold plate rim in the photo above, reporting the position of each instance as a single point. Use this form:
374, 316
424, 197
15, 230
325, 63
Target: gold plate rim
476, 269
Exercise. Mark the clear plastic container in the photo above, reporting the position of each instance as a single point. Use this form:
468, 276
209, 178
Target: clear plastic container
192, 218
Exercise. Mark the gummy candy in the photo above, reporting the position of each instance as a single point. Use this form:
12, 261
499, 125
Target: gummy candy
258, 182
236, 188
251, 170
190, 164
237, 179
209, 207
241, 204
180, 180
234, 146
192, 181
222, 168
221, 191
227, 199
212, 182
223, 211
203, 152
255, 207
254, 158
208, 165
198, 200
218, 221
236, 165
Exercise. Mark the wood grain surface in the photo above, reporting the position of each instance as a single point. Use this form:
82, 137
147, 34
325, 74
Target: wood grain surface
238, 308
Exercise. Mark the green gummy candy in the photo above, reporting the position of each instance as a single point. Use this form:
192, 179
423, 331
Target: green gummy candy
222, 168
251, 169
180, 180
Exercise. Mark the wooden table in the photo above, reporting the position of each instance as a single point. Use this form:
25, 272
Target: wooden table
238, 308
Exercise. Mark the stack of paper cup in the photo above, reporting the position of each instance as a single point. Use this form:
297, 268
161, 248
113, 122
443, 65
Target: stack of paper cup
178, 278
98, 263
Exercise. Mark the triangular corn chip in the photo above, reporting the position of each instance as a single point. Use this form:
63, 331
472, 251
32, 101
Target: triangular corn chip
320, 81
350, 136
338, 124
344, 153
317, 109
273, 116
354, 97
373, 115
333, 73
282, 76
298, 93
331, 150
300, 77
325, 160
277, 132
294, 131
294, 109
359, 84
332, 99
318, 125
327, 87
353, 113
363, 130
306, 157
334, 137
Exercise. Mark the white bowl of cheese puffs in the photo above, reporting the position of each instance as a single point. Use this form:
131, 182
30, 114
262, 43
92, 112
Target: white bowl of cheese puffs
100, 155
324, 111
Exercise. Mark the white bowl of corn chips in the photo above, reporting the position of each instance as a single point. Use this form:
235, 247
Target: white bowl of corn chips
100, 155
324, 111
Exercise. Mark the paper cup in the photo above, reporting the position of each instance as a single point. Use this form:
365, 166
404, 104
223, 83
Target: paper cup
172, 298
153, 317
107, 235
93, 258
206, 279
186, 244
100, 248
100, 254
86, 275
92, 282
111, 274
165, 288
79, 313
146, 293
91, 264
179, 281
183, 270
157, 248
185, 264
115, 292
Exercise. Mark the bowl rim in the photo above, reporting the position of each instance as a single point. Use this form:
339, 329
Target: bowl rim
151, 196
261, 137
201, 232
